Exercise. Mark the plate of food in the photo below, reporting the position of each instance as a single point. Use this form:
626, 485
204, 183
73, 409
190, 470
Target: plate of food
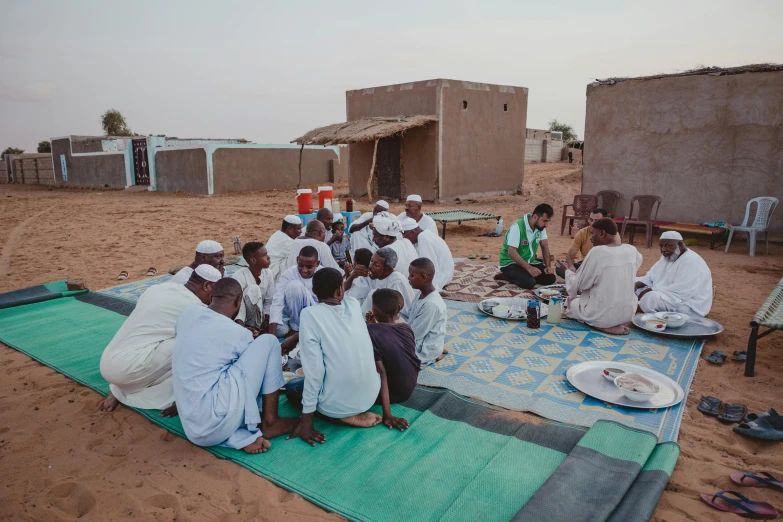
513, 308
692, 326
546, 292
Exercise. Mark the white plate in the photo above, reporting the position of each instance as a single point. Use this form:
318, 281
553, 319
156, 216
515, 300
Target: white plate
514, 303
693, 327
587, 377
561, 286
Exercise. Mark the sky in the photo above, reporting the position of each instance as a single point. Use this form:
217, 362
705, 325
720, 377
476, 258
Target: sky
271, 71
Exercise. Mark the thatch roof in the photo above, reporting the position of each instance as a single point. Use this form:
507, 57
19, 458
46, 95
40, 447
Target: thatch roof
712, 71
364, 129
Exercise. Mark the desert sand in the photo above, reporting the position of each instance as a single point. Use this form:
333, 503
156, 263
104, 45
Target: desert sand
62, 459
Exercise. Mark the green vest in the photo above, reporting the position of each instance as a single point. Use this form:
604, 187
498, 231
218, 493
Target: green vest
527, 246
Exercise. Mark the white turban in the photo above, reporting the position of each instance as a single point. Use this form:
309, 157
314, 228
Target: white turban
208, 273
338, 217
387, 224
672, 234
292, 219
409, 224
209, 247
382, 203
414, 197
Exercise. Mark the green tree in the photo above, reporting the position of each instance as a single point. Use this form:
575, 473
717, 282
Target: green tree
12, 150
44, 146
114, 124
568, 131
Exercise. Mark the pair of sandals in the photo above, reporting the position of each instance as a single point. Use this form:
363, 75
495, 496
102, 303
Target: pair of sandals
733, 502
764, 426
484, 257
725, 412
151, 271
719, 357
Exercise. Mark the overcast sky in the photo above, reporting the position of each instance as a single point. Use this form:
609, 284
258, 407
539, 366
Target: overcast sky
270, 71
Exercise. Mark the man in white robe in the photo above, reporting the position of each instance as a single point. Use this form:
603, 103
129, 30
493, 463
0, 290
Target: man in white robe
226, 384
679, 282
427, 314
208, 252
314, 237
258, 287
388, 233
432, 247
294, 292
413, 211
279, 245
361, 229
137, 361
381, 273
601, 290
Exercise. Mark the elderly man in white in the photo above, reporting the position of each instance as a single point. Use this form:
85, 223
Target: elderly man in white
413, 211
388, 233
679, 282
279, 245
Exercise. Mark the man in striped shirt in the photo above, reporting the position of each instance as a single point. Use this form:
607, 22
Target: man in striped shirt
518, 262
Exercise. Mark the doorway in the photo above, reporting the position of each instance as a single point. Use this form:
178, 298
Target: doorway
388, 165
141, 169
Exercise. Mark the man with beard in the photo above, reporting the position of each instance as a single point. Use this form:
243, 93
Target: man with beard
413, 211
679, 282
208, 252
388, 233
518, 262
364, 281
279, 245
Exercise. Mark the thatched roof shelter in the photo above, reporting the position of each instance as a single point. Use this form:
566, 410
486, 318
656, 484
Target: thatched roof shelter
364, 129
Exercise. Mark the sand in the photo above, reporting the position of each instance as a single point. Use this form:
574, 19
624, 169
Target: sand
62, 459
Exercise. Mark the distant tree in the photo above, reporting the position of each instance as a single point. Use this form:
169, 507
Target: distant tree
568, 131
12, 150
44, 146
114, 124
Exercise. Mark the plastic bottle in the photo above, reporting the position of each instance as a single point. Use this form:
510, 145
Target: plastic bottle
499, 227
349, 205
555, 310
335, 206
533, 317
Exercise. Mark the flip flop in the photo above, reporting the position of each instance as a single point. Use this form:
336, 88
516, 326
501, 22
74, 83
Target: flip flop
472, 256
717, 357
741, 505
151, 271
753, 479
767, 426
751, 417
710, 405
740, 356
486, 256
174, 269
733, 413
123, 275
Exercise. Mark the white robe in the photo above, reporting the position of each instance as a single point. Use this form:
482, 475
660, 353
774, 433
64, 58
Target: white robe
278, 247
363, 238
182, 276
406, 253
137, 362
684, 282
338, 360
435, 249
219, 374
606, 282
363, 288
428, 317
256, 297
324, 252
425, 223
293, 293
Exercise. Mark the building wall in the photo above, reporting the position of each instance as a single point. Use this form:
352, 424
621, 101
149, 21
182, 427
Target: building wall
98, 170
32, 169
705, 144
182, 170
483, 145
538, 134
3, 172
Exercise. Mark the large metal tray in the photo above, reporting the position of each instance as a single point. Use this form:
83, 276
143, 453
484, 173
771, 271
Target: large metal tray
587, 377
694, 327
518, 302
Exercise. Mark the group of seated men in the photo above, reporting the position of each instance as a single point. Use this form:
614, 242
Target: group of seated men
200, 347
605, 289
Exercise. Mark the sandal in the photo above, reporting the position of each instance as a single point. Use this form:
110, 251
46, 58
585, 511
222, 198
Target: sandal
733, 413
740, 356
753, 479
485, 257
123, 275
151, 271
741, 505
717, 357
767, 426
174, 269
710, 405
472, 256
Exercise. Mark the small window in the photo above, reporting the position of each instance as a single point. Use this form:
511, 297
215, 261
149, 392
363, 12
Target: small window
464, 104
505, 107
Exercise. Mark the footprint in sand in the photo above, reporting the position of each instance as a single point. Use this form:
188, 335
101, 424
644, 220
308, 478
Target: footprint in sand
164, 501
71, 498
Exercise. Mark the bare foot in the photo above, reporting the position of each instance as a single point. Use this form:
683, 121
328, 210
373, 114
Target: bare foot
620, 329
279, 426
500, 276
261, 445
110, 404
440, 357
367, 419
171, 411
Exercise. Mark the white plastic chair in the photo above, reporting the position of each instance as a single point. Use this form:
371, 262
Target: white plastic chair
765, 206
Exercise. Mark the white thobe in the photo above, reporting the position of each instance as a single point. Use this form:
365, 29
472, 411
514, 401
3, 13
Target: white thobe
137, 362
427, 316
182, 276
363, 238
293, 293
324, 252
363, 288
406, 253
606, 282
256, 297
425, 223
435, 249
219, 375
686, 282
338, 361
278, 247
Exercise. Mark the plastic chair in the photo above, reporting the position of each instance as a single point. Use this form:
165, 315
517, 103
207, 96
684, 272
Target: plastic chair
583, 205
648, 207
765, 206
607, 200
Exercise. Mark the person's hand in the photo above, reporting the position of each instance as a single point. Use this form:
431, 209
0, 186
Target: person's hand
535, 272
638, 285
390, 421
360, 271
253, 331
562, 266
306, 432
549, 270
347, 267
240, 322
171, 411
370, 317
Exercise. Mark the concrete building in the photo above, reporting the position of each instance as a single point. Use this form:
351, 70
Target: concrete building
706, 141
440, 138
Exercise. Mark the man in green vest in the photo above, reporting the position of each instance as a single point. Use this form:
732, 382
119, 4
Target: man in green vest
518, 262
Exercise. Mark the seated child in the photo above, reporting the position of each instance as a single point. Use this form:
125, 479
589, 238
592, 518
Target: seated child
362, 257
341, 381
395, 353
341, 245
427, 314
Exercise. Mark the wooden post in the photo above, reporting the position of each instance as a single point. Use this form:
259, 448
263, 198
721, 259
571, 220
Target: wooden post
301, 151
372, 172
